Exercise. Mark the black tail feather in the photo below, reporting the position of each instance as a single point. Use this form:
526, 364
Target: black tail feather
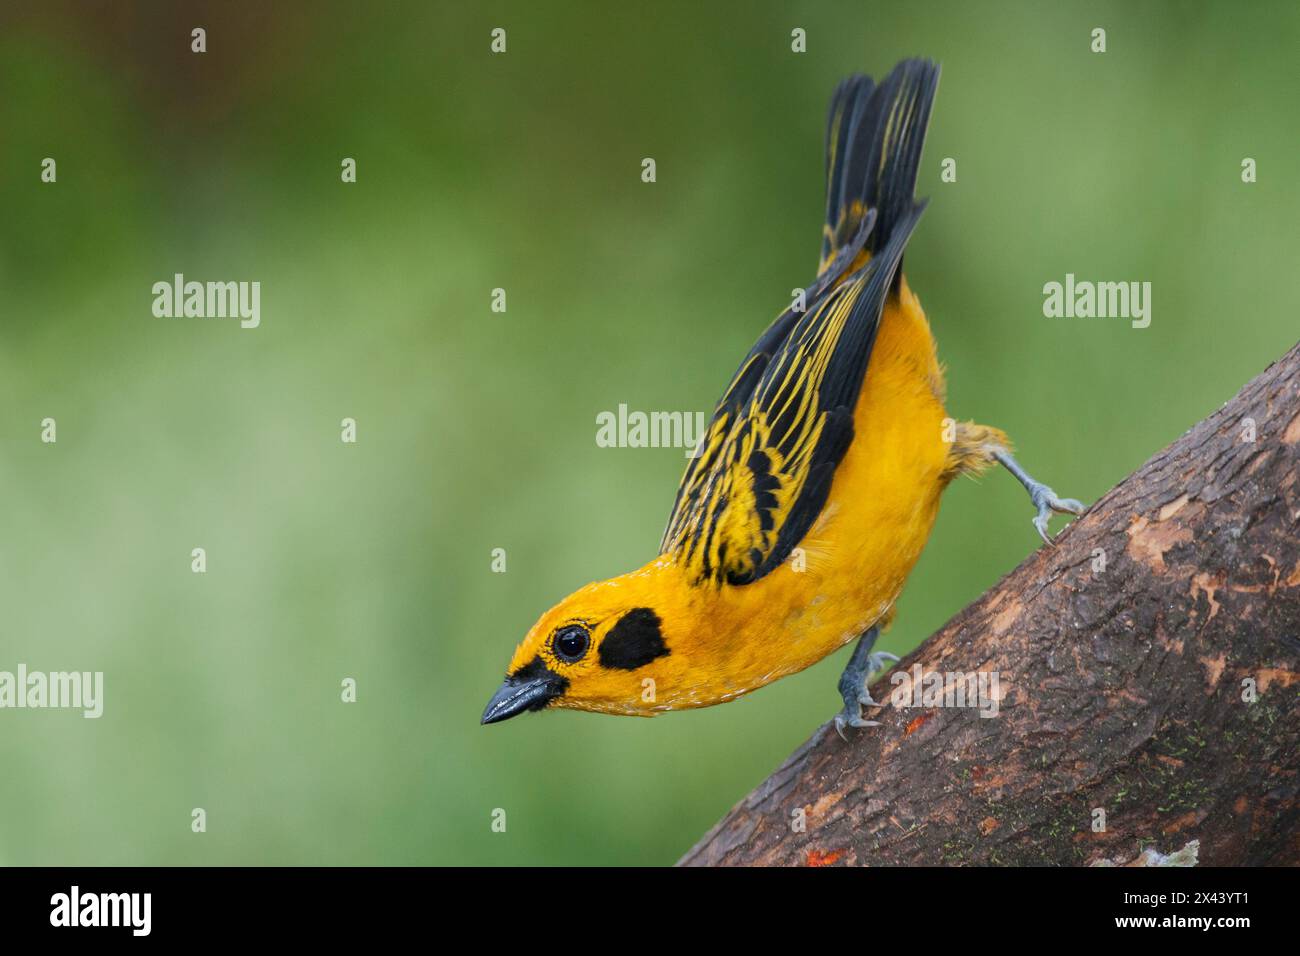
874, 137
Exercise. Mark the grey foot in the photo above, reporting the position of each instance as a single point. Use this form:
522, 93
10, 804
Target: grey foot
1045, 500
862, 666
1043, 497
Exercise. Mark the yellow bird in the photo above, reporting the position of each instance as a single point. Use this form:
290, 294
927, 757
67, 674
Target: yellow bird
816, 484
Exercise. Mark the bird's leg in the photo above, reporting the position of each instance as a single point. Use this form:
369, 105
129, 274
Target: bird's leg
854, 680
1043, 497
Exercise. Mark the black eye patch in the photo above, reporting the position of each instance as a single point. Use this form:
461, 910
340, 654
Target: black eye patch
634, 641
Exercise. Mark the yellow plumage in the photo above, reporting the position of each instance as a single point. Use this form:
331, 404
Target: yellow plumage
856, 557
817, 483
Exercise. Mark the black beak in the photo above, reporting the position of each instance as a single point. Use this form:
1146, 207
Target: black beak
530, 688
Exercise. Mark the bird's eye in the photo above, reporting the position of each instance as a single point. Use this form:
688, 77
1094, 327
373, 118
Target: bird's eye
571, 643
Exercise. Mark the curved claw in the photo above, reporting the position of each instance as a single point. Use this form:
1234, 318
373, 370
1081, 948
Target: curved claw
1044, 498
841, 721
876, 661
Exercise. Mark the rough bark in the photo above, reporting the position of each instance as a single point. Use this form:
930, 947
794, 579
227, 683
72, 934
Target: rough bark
1125, 688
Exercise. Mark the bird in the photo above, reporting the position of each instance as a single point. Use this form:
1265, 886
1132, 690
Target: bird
815, 484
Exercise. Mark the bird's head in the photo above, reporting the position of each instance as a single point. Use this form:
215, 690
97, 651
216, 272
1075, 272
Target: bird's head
603, 648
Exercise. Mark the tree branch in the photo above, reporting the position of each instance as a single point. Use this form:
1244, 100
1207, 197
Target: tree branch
1125, 657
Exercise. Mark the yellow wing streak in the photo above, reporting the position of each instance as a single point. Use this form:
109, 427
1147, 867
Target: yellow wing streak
754, 465
764, 468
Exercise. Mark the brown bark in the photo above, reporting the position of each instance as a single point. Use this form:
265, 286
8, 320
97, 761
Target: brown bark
1123, 688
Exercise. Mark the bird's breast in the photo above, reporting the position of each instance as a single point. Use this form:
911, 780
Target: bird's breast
851, 566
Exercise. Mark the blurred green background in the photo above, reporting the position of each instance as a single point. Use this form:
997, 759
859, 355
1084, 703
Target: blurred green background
477, 429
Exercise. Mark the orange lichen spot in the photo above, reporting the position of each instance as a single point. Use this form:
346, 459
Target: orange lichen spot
915, 723
827, 858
